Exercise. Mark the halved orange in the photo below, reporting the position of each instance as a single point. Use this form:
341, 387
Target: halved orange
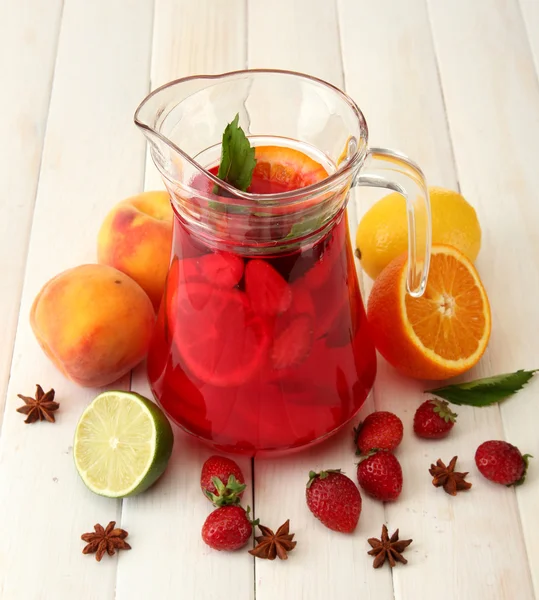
441, 334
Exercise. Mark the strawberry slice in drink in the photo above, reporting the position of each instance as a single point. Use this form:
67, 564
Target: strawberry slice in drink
293, 341
269, 293
302, 300
221, 269
220, 339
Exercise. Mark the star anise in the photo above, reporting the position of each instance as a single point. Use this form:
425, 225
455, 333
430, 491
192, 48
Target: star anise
39, 408
390, 548
105, 540
272, 544
448, 478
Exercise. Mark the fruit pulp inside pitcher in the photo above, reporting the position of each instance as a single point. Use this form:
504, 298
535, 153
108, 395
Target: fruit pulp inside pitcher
262, 354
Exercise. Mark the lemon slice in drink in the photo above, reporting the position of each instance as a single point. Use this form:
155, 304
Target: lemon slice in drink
123, 442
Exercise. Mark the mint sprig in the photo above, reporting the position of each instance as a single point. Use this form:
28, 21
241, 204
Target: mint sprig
485, 391
237, 158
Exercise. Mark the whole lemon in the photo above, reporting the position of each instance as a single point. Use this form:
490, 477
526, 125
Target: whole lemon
382, 234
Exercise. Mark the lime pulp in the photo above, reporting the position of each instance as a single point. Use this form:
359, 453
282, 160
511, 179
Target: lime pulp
123, 442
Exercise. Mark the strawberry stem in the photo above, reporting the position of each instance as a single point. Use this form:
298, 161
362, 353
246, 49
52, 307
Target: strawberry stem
364, 455
357, 431
227, 495
254, 522
441, 408
322, 475
526, 459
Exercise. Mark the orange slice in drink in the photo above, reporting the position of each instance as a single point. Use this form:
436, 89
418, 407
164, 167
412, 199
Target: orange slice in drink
441, 334
281, 169
220, 339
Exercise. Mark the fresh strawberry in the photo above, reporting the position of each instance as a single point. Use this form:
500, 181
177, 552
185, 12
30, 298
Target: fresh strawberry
334, 499
434, 419
222, 481
227, 528
268, 292
380, 475
381, 430
501, 462
222, 269
292, 343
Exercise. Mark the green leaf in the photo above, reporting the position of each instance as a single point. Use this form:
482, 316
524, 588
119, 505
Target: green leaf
237, 158
229, 209
300, 229
486, 391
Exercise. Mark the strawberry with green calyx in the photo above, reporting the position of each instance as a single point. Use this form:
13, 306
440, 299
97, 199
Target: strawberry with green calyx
434, 419
334, 499
380, 475
502, 462
222, 481
228, 528
381, 430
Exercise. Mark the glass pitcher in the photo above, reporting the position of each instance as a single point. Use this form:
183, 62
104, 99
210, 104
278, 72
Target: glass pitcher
262, 344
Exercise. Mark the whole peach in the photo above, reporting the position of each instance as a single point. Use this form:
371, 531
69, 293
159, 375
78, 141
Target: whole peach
94, 323
136, 238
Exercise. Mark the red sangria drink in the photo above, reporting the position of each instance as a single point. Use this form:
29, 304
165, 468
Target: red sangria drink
267, 351
261, 344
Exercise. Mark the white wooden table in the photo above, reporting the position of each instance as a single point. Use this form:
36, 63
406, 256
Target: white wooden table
452, 84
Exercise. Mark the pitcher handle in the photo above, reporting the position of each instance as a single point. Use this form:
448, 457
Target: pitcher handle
392, 170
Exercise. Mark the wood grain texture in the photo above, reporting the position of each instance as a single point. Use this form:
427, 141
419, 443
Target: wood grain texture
28, 34
399, 88
298, 36
172, 560
453, 85
324, 564
492, 98
530, 16
92, 157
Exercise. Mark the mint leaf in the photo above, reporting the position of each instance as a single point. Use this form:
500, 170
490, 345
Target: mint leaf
304, 227
229, 209
486, 391
237, 158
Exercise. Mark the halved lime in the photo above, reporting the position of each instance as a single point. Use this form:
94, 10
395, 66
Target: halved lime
123, 442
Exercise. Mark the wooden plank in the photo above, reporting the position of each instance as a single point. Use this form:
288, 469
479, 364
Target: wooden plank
93, 157
530, 16
29, 34
492, 98
168, 519
298, 36
202, 38
324, 564
404, 107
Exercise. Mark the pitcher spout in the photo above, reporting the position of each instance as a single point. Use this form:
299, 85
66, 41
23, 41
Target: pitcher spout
182, 125
149, 118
